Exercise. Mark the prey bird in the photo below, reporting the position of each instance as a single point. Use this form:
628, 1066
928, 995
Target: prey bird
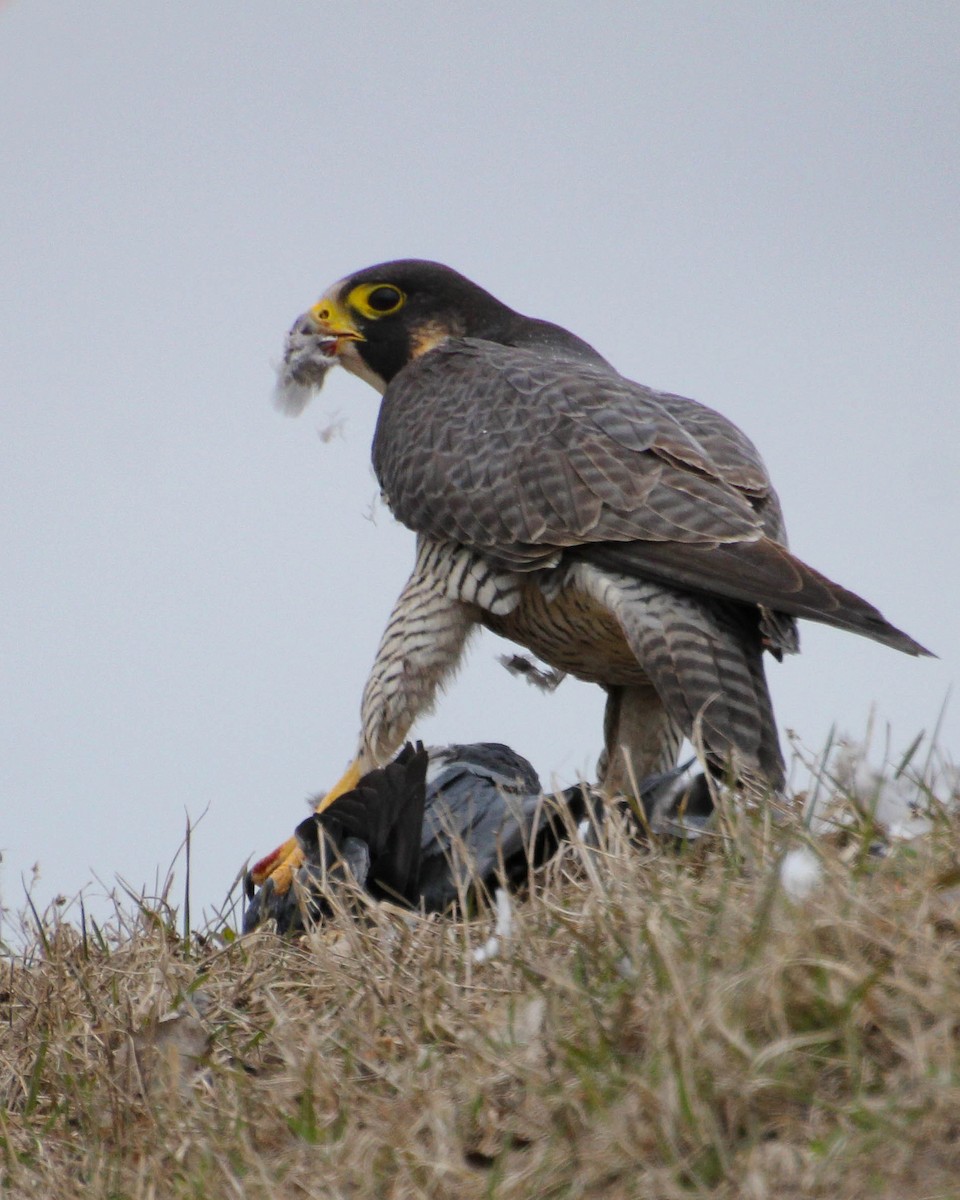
447, 825
627, 536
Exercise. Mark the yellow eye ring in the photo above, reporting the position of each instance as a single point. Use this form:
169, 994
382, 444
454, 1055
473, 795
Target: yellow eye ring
375, 300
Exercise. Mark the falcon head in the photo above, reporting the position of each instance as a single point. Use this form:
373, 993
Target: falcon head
378, 320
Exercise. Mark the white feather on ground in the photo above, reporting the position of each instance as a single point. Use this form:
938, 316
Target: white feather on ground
502, 929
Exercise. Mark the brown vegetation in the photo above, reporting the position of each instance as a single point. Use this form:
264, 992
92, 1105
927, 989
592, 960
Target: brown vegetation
659, 1022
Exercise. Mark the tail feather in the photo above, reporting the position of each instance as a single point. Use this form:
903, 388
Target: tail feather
761, 572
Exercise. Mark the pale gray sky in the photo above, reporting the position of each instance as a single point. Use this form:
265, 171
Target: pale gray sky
755, 204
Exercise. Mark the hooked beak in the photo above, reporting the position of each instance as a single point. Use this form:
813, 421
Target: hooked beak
331, 320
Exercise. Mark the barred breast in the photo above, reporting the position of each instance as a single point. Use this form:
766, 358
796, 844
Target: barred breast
571, 631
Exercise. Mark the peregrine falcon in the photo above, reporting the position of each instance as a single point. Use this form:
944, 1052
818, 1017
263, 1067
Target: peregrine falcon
627, 536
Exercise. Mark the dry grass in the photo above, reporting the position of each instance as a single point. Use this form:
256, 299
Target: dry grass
659, 1023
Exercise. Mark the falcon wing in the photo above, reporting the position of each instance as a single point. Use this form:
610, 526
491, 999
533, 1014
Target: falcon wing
522, 457
518, 456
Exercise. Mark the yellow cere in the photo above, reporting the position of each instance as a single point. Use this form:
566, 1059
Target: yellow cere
333, 318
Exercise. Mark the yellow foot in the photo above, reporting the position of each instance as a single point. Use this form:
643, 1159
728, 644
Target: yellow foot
282, 864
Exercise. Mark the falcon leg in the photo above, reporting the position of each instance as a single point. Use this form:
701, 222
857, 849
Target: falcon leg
421, 646
704, 658
640, 739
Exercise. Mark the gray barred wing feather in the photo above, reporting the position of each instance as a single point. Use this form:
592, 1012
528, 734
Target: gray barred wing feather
518, 458
525, 459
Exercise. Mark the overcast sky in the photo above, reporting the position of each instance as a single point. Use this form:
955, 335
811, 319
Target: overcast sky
754, 204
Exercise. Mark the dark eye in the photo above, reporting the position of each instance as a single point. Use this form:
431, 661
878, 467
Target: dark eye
374, 300
383, 299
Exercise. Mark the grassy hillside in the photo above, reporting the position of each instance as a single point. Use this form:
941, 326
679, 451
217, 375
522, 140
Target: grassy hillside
762, 1014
